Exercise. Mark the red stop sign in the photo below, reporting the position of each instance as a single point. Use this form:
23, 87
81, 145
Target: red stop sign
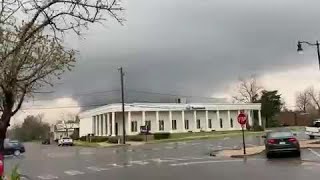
242, 118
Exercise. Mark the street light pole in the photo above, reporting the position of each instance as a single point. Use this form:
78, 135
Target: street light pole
122, 102
300, 49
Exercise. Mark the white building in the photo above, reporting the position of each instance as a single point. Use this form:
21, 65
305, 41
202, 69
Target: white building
164, 117
63, 129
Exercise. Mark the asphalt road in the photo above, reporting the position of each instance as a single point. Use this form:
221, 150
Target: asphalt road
185, 160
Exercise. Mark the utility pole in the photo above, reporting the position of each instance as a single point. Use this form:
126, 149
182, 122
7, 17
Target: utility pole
122, 101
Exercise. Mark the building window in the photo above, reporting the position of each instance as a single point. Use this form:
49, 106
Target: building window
186, 124
221, 125
148, 124
209, 123
231, 123
174, 124
198, 123
134, 126
161, 125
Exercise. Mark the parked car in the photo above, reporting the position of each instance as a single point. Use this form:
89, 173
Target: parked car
46, 141
281, 142
313, 130
66, 141
13, 147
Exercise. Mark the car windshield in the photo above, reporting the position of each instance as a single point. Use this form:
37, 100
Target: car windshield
280, 134
66, 138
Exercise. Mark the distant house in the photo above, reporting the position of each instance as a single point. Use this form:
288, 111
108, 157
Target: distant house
64, 129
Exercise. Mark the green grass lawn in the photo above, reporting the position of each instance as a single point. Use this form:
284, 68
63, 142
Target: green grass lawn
204, 135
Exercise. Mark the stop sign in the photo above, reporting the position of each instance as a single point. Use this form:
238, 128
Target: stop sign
242, 118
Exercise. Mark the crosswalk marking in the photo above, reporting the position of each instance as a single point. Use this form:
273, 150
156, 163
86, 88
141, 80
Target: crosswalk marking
96, 168
48, 176
73, 172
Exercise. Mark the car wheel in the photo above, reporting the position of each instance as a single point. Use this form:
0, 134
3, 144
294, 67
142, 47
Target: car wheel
269, 155
311, 137
298, 153
16, 153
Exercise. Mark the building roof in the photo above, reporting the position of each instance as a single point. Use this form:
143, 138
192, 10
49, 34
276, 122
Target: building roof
169, 107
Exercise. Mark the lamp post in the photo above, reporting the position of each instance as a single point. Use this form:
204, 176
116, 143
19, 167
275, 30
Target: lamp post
300, 50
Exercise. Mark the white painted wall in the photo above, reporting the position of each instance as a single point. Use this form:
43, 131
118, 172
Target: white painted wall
151, 116
86, 126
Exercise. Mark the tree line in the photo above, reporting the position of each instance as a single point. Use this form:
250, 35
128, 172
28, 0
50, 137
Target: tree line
32, 128
250, 91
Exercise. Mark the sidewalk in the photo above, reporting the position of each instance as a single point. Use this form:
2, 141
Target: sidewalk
259, 149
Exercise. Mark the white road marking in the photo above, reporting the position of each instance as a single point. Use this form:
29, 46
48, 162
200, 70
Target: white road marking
48, 176
96, 168
155, 149
205, 162
139, 162
314, 152
226, 138
169, 147
73, 172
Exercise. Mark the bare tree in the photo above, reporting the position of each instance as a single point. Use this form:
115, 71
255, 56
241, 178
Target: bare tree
31, 45
303, 100
248, 90
315, 98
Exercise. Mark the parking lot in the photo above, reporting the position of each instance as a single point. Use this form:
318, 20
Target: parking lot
187, 160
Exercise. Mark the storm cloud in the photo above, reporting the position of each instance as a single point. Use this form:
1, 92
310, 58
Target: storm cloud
190, 47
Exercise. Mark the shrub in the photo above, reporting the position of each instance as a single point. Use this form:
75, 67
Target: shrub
257, 128
164, 135
99, 139
113, 140
83, 138
135, 138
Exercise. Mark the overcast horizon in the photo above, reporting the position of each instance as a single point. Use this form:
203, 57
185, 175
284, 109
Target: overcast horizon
195, 48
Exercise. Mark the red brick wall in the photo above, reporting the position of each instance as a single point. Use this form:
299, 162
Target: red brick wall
295, 118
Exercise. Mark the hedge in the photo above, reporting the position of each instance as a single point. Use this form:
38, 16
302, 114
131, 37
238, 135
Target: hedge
113, 140
135, 138
164, 135
94, 138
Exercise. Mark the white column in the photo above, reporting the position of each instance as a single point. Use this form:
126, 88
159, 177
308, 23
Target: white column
170, 121
207, 121
93, 124
103, 125
97, 126
218, 119
129, 123
229, 119
108, 124
143, 118
182, 122
259, 116
195, 120
249, 117
157, 121
113, 119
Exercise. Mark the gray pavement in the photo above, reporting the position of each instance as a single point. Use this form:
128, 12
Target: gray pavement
184, 160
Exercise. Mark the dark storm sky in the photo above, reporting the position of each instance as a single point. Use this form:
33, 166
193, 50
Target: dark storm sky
190, 47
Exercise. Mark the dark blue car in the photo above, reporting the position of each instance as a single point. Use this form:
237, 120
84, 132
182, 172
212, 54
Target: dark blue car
13, 147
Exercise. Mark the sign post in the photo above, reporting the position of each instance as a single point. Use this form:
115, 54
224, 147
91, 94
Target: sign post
242, 120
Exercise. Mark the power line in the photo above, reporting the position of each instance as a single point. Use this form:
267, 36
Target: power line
63, 107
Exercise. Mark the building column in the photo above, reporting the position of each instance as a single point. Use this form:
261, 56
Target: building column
129, 123
93, 125
157, 121
218, 118
170, 121
249, 118
207, 121
195, 120
182, 122
97, 126
103, 125
229, 119
259, 116
108, 124
113, 124
106, 120
143, 123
